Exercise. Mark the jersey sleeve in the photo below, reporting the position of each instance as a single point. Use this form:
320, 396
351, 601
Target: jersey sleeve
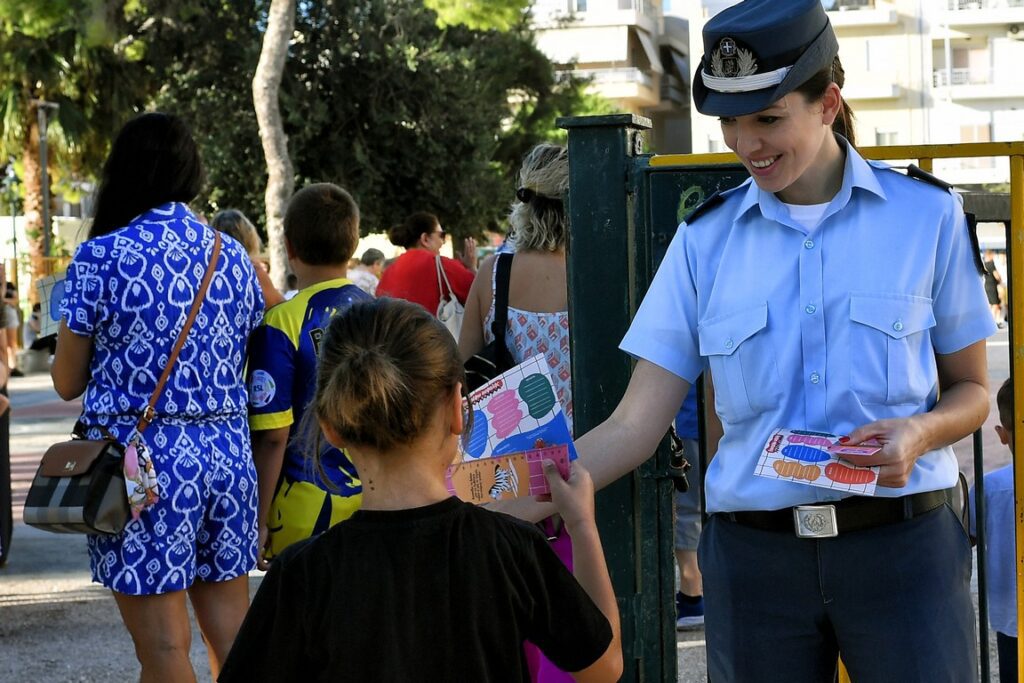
565, 623
270, 373
664, 330
962, 314
270, 646
85, 288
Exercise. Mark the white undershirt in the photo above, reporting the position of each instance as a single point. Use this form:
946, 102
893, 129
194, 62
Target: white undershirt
806, 215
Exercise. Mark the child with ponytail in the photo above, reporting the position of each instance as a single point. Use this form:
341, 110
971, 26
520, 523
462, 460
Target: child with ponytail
418, 585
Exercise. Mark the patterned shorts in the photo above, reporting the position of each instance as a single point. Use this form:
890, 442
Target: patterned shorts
204, 525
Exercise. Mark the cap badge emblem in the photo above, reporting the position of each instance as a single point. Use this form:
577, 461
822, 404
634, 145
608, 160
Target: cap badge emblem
729, 60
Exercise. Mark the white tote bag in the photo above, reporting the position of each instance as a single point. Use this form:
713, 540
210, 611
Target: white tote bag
449, 310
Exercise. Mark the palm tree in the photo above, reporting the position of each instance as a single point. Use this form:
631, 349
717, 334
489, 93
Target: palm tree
67, 53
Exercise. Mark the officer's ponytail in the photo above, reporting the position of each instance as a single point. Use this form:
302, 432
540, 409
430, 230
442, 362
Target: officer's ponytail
814, 89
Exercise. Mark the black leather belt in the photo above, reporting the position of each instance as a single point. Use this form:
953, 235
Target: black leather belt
851, 514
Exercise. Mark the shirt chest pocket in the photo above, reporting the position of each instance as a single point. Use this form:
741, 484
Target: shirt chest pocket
891, 357
742, 361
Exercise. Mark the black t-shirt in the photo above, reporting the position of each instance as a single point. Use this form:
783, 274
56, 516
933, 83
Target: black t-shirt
446, 592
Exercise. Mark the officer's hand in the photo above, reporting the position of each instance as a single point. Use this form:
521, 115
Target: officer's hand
902, 442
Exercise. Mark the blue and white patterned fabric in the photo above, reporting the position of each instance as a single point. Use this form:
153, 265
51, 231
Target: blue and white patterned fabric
826, 329
131, 291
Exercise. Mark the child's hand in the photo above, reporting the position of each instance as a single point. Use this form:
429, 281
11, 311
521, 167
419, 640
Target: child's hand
574, 498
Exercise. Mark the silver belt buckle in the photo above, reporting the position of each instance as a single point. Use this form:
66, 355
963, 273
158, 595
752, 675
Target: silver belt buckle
815, 521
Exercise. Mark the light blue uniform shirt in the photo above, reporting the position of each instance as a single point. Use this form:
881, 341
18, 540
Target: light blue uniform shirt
1001, 558
824, 330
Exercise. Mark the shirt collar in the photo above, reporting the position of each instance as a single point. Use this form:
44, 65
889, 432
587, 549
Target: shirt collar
856, 173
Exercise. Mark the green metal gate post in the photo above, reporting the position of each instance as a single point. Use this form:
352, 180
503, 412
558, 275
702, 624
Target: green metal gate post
634, 513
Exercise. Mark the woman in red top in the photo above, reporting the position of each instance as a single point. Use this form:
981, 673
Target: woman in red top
413, 276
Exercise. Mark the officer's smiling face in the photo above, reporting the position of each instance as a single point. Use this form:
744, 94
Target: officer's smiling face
783, 147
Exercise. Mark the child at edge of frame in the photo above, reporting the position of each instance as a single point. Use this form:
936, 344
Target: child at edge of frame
1001, 558
321, 231
417, 584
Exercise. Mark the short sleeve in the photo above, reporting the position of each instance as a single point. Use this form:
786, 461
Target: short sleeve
962, 315
565, 623
270, 644
269, 376
255, 297
664, 330
85, 288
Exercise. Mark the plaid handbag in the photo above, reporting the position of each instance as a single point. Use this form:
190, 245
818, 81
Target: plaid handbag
79, 488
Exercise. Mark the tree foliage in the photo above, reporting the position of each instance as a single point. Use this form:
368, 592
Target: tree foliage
408, 108
502, 15
379, 98
63, 52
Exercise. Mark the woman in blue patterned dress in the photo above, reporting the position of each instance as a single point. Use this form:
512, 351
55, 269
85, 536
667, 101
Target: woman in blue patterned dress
127, 295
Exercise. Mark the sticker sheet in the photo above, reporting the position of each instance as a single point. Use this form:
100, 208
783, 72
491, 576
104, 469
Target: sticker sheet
814, 458
515, 412
505, 476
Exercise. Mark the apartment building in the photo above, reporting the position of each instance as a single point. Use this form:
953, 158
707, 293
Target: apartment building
918, 71
977, 81
633, 54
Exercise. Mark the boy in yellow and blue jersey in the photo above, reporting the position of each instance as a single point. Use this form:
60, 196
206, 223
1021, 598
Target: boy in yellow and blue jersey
321, 229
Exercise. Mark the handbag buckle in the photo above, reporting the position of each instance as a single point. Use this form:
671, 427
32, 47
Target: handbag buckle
815, 521
70, 465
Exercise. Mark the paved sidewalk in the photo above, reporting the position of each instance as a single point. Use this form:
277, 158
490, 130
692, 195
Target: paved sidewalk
55, 624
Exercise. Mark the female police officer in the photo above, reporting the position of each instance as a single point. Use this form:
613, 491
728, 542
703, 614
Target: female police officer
831, 294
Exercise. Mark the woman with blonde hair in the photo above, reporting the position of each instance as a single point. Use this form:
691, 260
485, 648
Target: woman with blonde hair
538, 316
537, 320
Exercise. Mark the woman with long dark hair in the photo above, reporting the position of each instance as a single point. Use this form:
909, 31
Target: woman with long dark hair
129, 290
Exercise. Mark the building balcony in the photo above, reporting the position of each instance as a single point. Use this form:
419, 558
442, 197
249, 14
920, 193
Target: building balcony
982, 12
631, 85
552, 14
866, 89
975, 84
860, 13
981, 171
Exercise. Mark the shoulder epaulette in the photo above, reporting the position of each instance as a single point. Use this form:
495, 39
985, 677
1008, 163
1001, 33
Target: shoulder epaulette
972, 232
705, 206
917, 173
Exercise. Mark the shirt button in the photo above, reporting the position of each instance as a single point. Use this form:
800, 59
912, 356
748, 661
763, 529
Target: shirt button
898, 326
728, 343
815, 378
810, 309
809, 244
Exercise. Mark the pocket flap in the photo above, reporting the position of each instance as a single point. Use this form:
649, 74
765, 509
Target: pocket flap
723, 334
897, 316
72, 458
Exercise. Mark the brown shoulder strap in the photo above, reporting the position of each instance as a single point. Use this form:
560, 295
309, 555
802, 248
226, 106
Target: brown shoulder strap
150, 411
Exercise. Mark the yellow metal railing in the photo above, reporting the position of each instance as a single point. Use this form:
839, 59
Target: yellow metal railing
924, 155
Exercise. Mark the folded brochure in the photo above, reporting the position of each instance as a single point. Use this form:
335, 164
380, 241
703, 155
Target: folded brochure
505, 477
515, 411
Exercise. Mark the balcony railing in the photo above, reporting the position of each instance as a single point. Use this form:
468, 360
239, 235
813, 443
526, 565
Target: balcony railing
943, 77
958, 5
844, 5
609, 76
645, 7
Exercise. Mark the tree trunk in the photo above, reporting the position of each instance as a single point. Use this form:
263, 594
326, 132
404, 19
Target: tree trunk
33, 181
265, 87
